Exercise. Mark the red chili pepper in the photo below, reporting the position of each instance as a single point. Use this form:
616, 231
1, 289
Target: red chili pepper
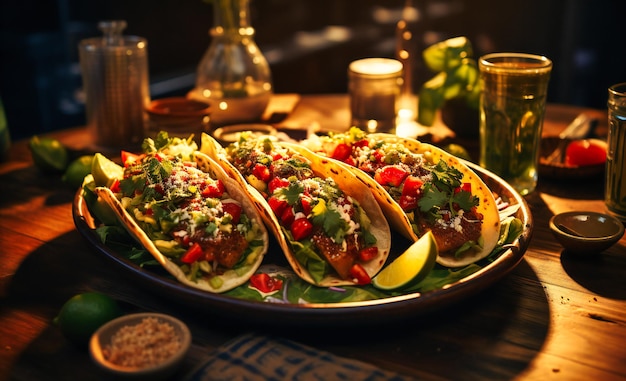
341, 152
194, 253
233, 209
368, 253
358, 273
301, 228
265, 283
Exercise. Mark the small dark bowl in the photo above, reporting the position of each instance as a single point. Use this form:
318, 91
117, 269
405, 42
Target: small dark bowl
586, 232
560, 170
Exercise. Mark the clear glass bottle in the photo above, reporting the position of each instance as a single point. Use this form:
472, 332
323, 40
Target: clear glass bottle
233, 76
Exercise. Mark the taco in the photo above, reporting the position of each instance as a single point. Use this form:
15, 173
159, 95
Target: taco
421, 188
190, 215
328, 224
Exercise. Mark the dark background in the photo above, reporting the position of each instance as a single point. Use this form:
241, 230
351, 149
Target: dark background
40, 83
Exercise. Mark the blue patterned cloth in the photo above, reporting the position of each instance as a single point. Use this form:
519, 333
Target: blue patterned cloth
263, 358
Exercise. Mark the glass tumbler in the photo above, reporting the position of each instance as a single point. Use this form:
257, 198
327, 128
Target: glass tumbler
615, 175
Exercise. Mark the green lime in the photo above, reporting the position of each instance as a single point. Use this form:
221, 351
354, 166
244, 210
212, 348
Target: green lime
48, 154
84, 313
410, 267
105, 171
458, 151
77, 170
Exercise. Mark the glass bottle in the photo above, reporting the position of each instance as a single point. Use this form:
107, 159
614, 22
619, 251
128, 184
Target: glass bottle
233, 76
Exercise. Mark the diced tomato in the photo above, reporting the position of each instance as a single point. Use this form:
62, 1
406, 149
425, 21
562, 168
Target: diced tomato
115, 187
287, 217
368, 253
265, 283
278, 206
215, 189
193, 254
412, 186
407, 202
350, 161
276, 183
360, 276
361, 143
301, 228
128, 158
233, 209
390, 175
305, 201
261, 172
342, 152
465, 187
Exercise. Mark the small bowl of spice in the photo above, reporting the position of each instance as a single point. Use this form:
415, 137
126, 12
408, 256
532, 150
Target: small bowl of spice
141, 346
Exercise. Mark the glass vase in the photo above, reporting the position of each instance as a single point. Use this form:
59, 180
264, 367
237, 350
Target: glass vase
233, 75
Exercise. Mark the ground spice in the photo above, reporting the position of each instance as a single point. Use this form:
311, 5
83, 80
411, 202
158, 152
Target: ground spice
145, 344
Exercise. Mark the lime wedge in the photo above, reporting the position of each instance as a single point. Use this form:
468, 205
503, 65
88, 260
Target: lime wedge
105, 171
410, 267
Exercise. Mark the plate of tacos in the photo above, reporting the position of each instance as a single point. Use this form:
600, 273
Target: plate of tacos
272, 232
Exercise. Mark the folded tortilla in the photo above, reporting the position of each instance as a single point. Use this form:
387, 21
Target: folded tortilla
230, 278
401, 222
323, 168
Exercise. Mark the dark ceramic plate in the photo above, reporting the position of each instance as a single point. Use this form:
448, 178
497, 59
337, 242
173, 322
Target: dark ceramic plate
561, 171
344, 313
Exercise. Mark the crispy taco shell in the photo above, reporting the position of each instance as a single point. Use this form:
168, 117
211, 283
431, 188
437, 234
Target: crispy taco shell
323, 168
401, 222
231, 278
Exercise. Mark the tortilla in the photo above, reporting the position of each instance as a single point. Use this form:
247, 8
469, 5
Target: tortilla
490, 230
230, 278
322, 168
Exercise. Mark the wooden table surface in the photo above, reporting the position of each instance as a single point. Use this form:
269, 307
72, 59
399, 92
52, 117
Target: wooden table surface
554, 317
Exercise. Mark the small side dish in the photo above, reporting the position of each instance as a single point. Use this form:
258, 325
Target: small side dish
143, 344
586, 232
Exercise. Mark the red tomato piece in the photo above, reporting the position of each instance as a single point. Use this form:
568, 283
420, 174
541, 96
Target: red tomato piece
128, 158
287, 217
278, 206
301, 228
390, 175
342, 152
361, 143
276, 183
368, 253
407, 202
233, 209
265, 283
115, 187
261, 172
412, 186
360, 276
215, 189
193, 254
585, 152
305, 201
465, 187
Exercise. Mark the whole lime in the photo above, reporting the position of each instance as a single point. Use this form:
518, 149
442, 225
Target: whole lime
77, 170
84, 313
48, 154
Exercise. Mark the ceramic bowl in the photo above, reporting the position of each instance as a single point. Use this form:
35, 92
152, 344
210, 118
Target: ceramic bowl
229, 134
586, 232
102, 338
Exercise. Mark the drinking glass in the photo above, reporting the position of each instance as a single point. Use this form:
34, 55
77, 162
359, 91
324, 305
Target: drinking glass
512, 106
615, 175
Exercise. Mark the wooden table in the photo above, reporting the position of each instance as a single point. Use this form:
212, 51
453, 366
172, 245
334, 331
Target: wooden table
555, 316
